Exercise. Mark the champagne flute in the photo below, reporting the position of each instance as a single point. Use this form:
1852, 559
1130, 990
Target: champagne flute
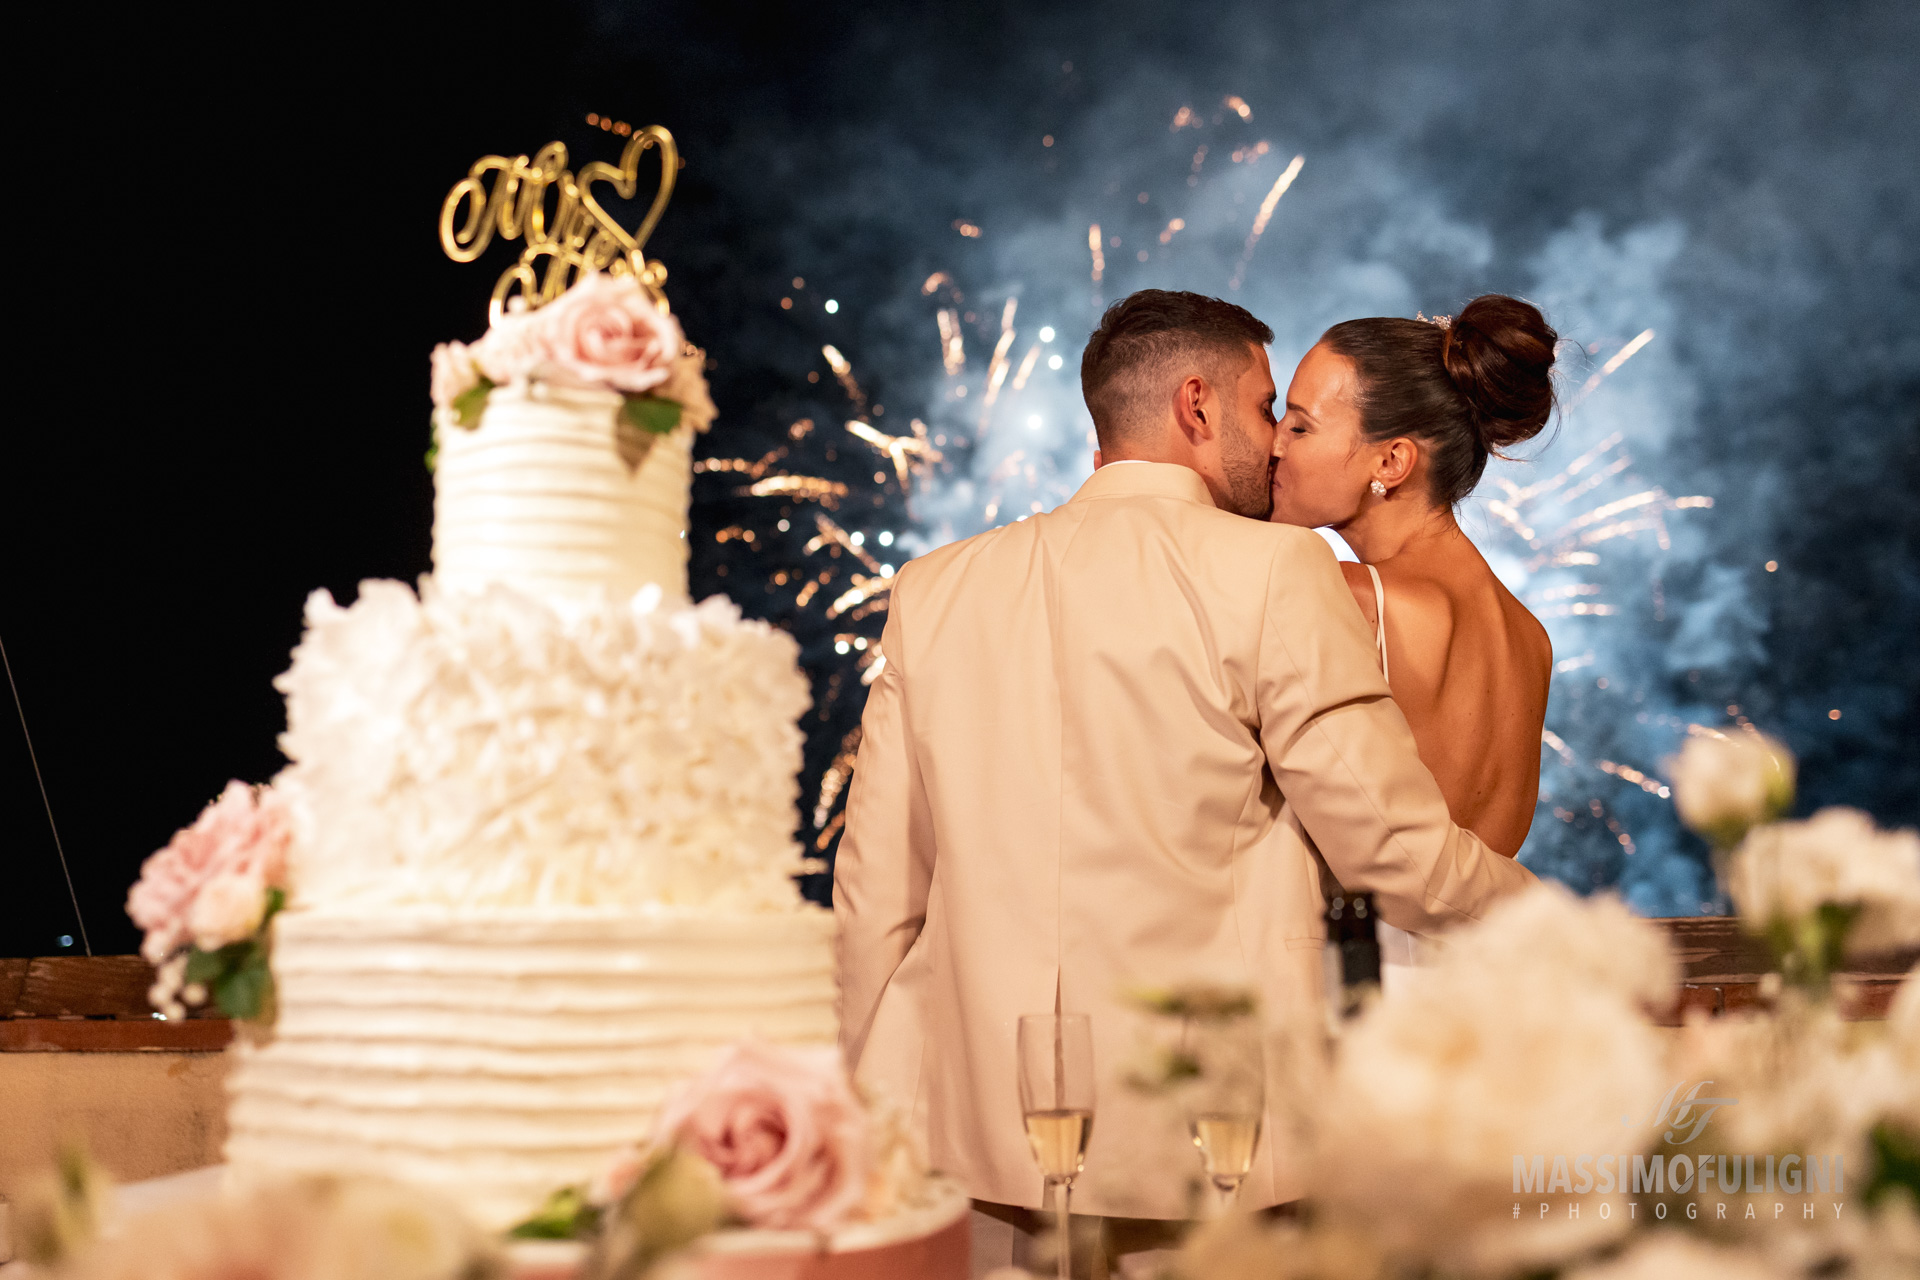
1056, 1095
1225, 1101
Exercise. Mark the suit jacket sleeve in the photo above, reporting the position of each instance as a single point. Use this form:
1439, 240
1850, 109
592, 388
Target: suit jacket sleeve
884, 866
1344, 758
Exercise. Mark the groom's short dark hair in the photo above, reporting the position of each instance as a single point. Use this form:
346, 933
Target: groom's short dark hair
1144, 337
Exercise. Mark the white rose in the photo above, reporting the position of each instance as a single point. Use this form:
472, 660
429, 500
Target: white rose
1724, 783
228, 909
1786, 872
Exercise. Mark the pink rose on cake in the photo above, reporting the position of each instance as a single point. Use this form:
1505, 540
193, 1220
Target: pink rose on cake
454, 373
209, 885
515, 346
784, 1130
606, 332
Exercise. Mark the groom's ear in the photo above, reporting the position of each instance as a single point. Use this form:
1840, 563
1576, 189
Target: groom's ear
1195, 410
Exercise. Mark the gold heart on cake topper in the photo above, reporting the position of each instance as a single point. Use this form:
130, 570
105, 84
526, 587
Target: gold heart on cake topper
579, 235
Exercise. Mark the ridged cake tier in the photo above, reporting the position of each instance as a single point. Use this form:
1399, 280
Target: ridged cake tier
538, 496
499, 1055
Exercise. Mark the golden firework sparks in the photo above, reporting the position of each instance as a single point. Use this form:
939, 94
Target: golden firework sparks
834, 780
997, 366
752, 470
843, 370
1559, 747
1099, 258
864, 588
909, 452
1611, 367
806, 488
1265, 214
832, 534
1627, 773
1026, 367
1508, 516
1520, 495
953, 351
1175, 227
1238, 105
1184, 118
934, 281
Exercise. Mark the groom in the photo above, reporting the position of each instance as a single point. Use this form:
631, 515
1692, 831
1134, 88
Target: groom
1104, 748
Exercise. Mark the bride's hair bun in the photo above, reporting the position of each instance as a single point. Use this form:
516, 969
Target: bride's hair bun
1499, 353
1466, 388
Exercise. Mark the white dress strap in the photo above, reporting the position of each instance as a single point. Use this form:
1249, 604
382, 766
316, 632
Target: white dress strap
1380, 618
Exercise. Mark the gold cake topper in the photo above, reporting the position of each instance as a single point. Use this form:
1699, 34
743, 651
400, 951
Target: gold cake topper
577, 235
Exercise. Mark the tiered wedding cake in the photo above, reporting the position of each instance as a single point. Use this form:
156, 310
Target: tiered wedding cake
542, 811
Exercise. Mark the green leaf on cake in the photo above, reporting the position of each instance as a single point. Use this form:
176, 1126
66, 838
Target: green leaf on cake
471, 403
238, 975
245, 991
565, 1216
650, 413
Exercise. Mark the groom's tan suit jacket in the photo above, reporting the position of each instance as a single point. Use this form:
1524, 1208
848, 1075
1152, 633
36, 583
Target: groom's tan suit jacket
1102, 751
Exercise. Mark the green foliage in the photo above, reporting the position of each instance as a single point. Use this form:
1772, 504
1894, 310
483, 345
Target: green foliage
1808, 951
566, 1215
1201, 1001
1896, 1162
471, 403
238, 975
677, 1199
650, 413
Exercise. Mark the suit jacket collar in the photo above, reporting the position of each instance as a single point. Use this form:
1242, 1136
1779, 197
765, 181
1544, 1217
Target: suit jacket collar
1145, 480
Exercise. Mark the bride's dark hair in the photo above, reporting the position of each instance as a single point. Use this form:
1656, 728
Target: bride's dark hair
1467, 391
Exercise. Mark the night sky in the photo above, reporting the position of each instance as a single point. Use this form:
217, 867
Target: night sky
230, 282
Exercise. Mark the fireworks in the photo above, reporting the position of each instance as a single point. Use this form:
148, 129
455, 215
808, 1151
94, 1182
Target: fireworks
831, 571
1265, 215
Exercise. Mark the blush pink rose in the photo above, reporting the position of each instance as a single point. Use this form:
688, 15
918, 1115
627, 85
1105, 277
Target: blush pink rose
783, 1129
454, 373
606, 332
241, 835
227, 909
515, 345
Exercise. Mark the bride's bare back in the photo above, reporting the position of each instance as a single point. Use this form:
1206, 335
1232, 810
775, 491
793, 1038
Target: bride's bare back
1388, 426
1470, 668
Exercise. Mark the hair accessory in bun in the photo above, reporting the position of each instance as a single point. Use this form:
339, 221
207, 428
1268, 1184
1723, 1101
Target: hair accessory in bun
1439, 322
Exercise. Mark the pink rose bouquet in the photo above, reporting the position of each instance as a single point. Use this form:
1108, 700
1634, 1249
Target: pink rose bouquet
783, 1129
204, 901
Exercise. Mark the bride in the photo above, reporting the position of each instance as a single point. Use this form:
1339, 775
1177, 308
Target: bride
1389, 424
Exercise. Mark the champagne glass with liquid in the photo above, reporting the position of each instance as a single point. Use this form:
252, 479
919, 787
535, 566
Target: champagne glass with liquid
1227, 1099
1056, 1094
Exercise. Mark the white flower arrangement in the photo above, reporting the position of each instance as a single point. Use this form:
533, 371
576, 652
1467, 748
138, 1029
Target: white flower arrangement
1529, 1034
1786, 873
1727, 782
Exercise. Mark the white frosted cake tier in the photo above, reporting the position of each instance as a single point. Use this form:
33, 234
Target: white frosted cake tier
496, 1056
538, 496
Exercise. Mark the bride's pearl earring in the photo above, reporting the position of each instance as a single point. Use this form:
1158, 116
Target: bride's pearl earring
1379, 490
